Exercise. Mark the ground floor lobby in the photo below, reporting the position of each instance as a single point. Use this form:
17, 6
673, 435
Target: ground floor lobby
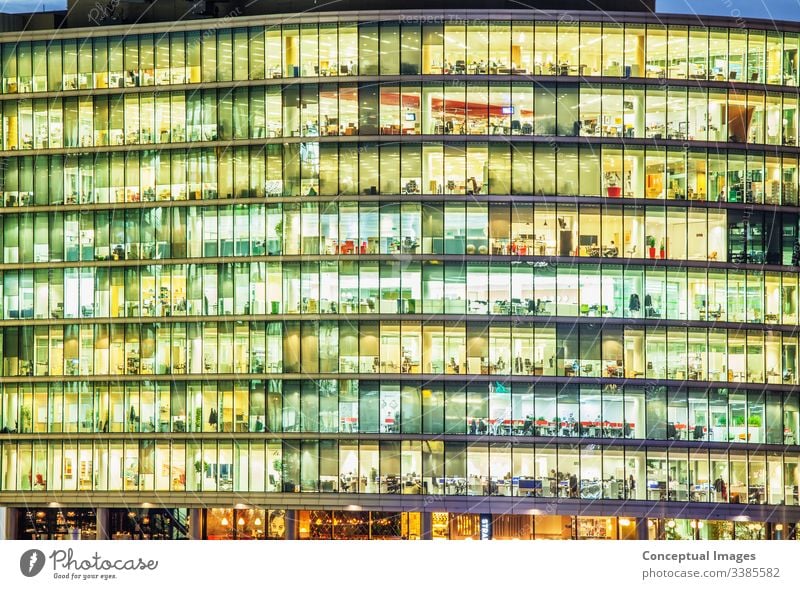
251, 523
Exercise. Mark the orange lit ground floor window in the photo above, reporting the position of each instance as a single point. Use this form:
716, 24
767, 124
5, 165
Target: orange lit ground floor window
358, 525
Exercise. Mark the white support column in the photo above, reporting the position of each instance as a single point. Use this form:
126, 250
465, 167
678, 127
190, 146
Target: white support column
8, 523
103, 523
196, 523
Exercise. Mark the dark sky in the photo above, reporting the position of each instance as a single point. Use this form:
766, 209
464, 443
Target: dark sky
775, 9
769, 9
31, 5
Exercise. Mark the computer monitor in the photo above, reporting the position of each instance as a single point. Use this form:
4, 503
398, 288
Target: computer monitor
530, 484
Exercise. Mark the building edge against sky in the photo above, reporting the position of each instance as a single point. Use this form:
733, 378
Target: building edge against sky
394, 274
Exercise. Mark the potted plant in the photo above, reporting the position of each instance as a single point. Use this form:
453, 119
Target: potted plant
200, 467
612, 189
198, 419
754, 421
275, 244
277, 478
26, 418
662, 250
651, 246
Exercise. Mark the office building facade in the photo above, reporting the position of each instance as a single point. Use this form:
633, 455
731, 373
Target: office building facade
387, 274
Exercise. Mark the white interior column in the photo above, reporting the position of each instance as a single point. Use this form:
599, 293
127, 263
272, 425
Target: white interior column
8, 523
195, 523
103, 523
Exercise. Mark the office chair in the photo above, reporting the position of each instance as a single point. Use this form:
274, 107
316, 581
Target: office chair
672, 432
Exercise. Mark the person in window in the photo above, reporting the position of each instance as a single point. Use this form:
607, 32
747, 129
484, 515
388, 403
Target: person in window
527, 426
453, 365
648, 306
553, 482
611, 251
613, 487
718, 484
259, 425
573, 486
572, 423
